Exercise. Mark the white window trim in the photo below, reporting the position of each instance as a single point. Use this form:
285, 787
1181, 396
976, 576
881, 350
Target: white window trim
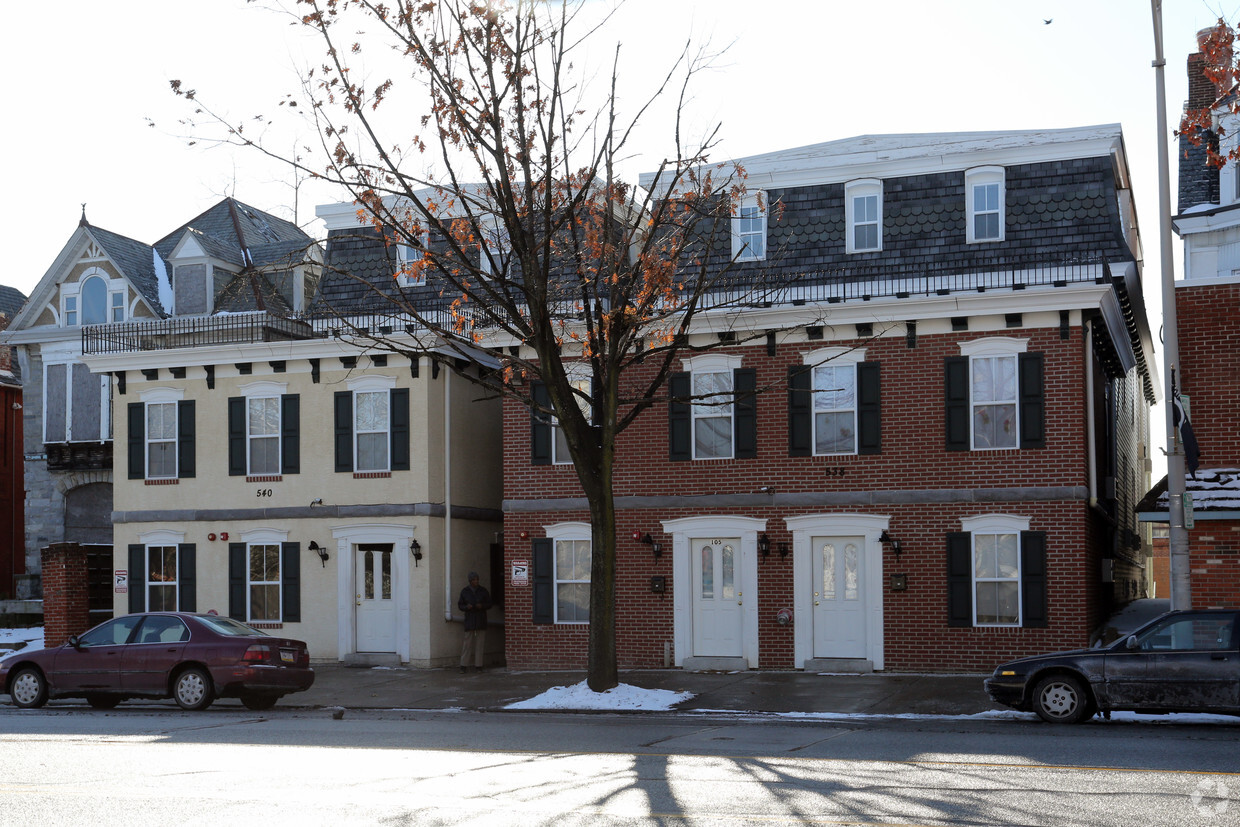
146, 575
162, 537
371, 382
73, 290
834, 357
555, 533
740, 251
264, 389
712, 363
991, 524
979, 176
857, 189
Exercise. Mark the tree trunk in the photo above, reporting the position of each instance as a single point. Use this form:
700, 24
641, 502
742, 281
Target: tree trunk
601, 670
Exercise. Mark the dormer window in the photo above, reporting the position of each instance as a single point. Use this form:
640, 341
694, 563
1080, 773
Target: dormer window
409, 258
863, 204
984, 195
749, 228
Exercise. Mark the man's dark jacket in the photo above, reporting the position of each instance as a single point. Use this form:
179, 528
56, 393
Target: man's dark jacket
474, 618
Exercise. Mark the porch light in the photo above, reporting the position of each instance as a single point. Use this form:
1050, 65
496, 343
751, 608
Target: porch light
783, 549
896, 548
764, 545
319, 550
415, 548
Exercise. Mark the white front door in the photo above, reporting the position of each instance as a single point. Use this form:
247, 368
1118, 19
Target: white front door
839, 597
376, 608
717, 597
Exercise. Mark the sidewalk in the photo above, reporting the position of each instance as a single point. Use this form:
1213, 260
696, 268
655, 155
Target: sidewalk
878, 694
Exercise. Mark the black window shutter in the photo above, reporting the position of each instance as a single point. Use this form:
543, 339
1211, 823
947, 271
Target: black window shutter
869, 409
1033, 579
745, 412
540, 426
290, 433
800, 411
956, 398
1032, 401
290, 582
398, 400
137, 573
137, 441
544, 582
679, 418
959, 579
186, 467
187, 575
236, 436
237, 567
344, 431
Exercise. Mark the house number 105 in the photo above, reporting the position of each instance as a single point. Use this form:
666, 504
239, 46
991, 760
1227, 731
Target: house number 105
264, 492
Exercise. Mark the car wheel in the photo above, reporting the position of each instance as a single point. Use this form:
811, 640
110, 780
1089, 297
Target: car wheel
29, 688
191, 689
1061, 699
259, 702
102, 701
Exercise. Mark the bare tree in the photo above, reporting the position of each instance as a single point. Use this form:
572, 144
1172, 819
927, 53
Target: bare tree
483, 154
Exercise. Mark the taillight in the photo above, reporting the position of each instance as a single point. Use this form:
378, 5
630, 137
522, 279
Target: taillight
257, 653
303, 658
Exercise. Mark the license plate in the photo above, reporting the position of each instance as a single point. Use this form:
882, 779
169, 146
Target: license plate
286, 655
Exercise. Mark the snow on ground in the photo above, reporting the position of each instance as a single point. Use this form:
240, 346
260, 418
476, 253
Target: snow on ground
580, 696
13, 639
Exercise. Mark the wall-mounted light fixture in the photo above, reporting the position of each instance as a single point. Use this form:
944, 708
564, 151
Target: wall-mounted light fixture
643, 537
316, 501
896, 548
783, 549
319, 550
764, 545
415, 548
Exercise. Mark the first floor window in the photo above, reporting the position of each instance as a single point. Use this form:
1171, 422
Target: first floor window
572, 581
264, 582
161, 440
996, 579
371, 430
161, 579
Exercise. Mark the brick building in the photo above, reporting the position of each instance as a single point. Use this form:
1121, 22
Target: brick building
929, 461
1208, 321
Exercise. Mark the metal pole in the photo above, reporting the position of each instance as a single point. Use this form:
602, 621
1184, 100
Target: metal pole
1181, 586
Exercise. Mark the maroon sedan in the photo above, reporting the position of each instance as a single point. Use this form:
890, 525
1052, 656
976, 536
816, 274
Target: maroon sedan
193, 658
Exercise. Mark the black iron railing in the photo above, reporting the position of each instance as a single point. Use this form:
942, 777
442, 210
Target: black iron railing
192, 331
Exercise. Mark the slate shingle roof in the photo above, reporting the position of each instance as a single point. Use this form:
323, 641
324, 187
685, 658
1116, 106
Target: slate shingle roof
11, 301
264, 234
136, 261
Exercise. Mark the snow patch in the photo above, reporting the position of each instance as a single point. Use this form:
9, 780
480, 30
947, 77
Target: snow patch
624, 696
27, 640
163, 282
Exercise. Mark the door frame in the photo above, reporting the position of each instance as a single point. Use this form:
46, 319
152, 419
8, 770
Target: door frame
347, 537
684, 533
803, 528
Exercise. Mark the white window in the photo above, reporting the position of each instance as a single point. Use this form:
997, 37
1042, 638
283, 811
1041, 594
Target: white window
749, 228
95, 299
370, 430
412, 261
996, 568
571, 543
993, 391
263, 435
161, 440
559, 444
264, 581
493, 247
984, 194
162, 578
712, 389
863, 205
835, 399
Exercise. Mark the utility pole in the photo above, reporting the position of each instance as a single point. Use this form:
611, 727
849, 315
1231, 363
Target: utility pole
1181, 586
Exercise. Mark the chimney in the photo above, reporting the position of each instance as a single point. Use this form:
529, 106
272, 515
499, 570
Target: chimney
1198, 181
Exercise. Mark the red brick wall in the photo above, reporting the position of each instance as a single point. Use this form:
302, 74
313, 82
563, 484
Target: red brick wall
1208, 319
916, 636
1214, 559
66, 598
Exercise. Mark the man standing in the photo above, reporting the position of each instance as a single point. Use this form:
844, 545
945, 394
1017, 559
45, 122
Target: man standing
474, 602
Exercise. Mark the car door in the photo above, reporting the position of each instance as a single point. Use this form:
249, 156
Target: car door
1191, 664
94, 663
156, 648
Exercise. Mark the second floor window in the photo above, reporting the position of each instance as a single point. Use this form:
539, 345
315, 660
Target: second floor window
264, 431
993, 388
713, 412
161, 437
995, 396
161, 440
76, 404
372, 428
712, 415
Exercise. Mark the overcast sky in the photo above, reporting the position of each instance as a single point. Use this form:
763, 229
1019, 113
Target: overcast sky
87, 78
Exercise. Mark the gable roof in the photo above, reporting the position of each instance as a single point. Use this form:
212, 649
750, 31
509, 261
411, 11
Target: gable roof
135, 260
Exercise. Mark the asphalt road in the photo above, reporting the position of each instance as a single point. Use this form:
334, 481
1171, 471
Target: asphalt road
152, 765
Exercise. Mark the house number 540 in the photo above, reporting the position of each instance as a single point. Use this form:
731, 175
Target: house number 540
264, 492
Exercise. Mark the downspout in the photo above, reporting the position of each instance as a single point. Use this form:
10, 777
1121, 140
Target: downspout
447, 496
1091, 436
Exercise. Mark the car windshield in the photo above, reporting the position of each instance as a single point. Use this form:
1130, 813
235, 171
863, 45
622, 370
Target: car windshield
228, 626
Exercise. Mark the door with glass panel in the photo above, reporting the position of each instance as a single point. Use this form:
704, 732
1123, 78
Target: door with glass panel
376, 604
717, 597
839, 597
